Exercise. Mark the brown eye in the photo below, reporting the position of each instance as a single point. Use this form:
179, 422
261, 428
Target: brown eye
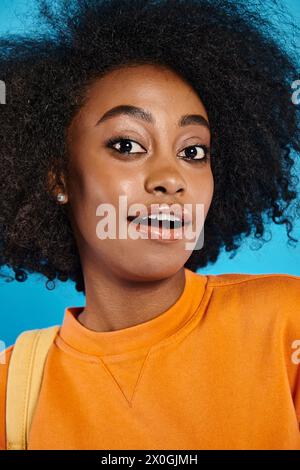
196, 153
124, 145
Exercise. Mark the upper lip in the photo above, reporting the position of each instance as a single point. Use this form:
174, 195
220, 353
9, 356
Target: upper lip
177, 210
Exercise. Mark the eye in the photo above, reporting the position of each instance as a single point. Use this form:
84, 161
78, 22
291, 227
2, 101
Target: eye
124, 145
198, 153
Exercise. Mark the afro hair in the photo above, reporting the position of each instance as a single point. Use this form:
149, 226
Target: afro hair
232, 54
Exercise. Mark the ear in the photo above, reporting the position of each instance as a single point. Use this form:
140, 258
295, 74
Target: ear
56, 184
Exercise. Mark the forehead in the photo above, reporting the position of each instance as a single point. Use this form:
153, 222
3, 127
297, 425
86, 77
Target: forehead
156, 88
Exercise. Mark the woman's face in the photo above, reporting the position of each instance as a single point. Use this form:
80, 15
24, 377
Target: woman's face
153, 166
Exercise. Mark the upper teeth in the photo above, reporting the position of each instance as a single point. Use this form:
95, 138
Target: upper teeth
162, 217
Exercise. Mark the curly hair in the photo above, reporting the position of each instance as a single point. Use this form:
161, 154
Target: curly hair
231, 54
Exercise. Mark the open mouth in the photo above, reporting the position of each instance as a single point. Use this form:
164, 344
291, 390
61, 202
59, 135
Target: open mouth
167, 221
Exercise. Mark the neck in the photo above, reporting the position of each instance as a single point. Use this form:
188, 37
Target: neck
114, 303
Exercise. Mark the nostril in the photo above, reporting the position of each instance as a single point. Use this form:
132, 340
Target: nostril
160, 188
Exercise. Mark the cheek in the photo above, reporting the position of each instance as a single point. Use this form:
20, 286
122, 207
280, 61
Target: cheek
203, 190
92, 192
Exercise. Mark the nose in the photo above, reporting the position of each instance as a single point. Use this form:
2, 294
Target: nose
165, 179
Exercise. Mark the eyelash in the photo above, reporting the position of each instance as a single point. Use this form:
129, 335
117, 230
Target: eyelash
114, 140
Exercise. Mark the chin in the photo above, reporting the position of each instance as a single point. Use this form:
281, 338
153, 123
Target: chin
154, 271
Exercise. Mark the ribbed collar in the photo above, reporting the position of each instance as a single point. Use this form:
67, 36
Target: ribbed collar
143, 335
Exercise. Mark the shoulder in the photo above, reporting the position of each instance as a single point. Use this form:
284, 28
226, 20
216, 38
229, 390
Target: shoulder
232, 279
277, 286
266, 308
4, 363
283, 287
269, 297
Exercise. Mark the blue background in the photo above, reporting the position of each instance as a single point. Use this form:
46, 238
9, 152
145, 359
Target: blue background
30, 305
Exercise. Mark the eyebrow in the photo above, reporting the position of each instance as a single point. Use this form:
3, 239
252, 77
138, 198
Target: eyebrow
146, 116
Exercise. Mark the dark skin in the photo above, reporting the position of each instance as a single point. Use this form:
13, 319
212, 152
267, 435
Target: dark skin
132, 281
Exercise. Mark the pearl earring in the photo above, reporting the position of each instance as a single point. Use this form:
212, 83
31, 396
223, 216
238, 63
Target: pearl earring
61, 197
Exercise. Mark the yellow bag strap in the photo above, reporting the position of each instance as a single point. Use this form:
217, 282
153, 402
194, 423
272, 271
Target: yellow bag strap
25, 373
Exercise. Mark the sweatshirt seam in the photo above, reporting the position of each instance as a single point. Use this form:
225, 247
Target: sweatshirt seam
66, 348
224, 282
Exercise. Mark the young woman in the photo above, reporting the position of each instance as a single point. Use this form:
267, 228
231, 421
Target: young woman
185, 102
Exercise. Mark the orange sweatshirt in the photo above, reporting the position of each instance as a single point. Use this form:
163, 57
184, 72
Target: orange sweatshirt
218, 370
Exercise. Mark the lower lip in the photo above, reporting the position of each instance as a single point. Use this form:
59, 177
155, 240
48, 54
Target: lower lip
160, 233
